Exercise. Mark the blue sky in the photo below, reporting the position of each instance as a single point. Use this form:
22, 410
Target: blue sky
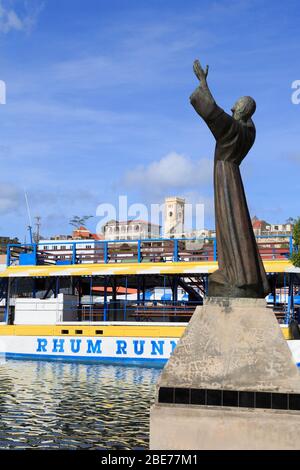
98, 104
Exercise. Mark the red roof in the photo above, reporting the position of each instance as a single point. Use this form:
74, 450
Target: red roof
257, 224
83, 232
97, 236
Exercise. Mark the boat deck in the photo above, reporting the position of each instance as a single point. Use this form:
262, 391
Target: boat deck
123, 269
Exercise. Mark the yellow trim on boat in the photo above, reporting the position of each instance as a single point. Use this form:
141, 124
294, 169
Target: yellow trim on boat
151, 331
286, 332
121, 269
142, 331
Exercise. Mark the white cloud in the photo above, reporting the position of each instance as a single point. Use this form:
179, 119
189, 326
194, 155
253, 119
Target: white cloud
64, 112
148, 54
11, 20
173, 172
173, 175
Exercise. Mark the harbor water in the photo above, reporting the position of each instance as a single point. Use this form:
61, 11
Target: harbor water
49, 405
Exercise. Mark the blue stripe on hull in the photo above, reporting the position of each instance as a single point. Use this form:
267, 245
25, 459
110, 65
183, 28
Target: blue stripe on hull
159, 363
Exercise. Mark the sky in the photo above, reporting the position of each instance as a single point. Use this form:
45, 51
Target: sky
97, 105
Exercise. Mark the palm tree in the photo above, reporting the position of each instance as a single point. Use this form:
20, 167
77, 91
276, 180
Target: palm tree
77, 221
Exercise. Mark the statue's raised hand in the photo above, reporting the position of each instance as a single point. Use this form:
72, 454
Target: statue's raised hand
199, 72
202, 92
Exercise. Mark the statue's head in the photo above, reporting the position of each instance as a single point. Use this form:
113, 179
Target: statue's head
244, 108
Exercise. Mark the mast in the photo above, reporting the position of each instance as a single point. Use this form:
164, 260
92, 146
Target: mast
38, 225
29, 218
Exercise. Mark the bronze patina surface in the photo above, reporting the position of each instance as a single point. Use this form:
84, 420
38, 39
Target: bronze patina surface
241, 272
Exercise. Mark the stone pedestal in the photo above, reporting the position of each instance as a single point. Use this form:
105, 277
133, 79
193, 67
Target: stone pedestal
231, 383
175, 427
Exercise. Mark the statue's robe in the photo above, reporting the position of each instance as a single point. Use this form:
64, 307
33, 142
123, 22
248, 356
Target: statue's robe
241, 272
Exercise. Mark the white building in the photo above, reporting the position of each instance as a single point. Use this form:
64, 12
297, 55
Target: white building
130, 230
204, 233
174, 217
280, 229
62, 250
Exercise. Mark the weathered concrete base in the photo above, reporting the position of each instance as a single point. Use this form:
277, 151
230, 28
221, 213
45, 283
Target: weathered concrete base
175, 427
231, 347
233, 344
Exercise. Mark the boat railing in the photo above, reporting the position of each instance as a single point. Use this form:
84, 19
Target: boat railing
279, 247
139, 311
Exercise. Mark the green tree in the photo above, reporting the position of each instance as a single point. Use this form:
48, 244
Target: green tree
77, 221
295, 258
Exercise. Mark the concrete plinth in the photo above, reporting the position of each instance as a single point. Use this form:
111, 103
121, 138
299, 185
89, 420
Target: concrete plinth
193, 428
231, 383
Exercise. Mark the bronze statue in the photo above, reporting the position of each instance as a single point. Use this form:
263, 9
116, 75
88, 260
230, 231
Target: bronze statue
241, 272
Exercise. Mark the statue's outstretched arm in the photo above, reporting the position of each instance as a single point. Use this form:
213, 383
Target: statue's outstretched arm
202, 99
204, 104
202, 77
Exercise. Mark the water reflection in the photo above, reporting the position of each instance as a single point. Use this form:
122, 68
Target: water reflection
49, 405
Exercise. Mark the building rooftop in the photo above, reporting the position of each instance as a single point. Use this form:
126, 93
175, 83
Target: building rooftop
130, 221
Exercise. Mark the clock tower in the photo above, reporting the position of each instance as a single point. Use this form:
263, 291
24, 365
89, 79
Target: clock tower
174, 217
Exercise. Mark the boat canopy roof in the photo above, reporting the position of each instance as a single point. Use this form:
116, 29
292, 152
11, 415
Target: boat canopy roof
124, 269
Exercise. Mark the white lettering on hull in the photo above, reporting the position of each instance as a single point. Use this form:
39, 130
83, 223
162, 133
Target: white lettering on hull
106, 347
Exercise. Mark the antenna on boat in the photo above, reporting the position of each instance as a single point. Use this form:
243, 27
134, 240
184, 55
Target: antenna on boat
38, 226
29, 217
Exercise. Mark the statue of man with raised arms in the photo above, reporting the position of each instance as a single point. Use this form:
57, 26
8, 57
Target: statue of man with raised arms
241, 272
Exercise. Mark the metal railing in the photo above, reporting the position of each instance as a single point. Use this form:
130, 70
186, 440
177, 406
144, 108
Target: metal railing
277, 247
139, 311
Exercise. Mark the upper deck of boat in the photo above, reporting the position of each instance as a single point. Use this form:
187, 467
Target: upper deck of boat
134, 257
